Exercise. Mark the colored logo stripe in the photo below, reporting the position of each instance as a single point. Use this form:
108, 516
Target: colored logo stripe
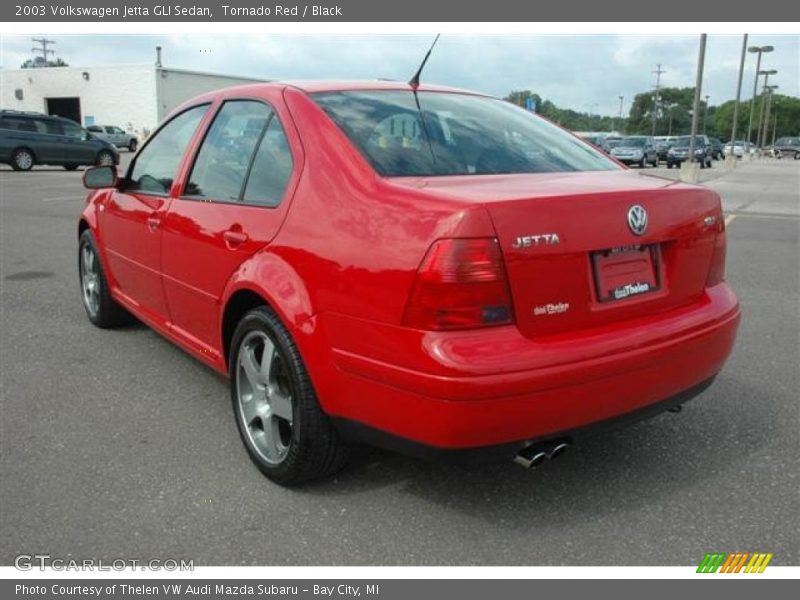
733, 563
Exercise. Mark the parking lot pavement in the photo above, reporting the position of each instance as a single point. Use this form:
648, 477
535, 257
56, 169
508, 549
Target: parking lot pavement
116, 444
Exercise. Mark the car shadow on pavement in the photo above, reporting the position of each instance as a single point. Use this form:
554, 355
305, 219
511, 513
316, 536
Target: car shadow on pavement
643, 464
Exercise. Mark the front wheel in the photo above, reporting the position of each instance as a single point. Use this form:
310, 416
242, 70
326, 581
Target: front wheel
132, 146
643, 163
286, 433
105, 158
102, 310
70, 167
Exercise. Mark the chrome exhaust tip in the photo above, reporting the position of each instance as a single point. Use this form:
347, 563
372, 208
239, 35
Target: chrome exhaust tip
534, 455
530, 461
557, 450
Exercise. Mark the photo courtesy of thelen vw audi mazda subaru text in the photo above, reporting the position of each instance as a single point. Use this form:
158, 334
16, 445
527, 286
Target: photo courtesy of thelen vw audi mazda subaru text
427, 269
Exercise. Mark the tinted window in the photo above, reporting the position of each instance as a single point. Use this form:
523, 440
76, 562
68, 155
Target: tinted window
49, 126
157, 163
271, 168
454, 134
18, 124
224, 157
110, 130
73, 130
95, 128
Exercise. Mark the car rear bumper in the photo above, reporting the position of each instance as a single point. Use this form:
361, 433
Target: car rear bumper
460, 390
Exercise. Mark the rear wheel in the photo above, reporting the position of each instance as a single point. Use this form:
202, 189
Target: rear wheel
70, 167
102, 310
132, 146
285, 432
643, 162
22, 160
105, 158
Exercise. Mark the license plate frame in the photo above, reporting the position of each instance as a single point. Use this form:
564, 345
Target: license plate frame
626, 272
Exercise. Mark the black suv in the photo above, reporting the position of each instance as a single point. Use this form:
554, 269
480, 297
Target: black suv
28, 139
787, 146
679, 153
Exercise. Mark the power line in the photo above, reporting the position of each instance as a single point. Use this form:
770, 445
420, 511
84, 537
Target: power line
43, 42
658, 73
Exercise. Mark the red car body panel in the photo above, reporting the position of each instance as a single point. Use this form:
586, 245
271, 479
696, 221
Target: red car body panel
338, 257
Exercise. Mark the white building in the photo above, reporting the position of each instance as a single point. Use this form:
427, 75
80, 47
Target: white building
134, 97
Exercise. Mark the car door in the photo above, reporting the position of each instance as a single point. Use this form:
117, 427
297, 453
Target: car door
130, 219
51, 143
232, 205
80, 148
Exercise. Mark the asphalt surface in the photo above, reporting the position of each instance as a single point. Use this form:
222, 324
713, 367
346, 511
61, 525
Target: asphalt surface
116, 444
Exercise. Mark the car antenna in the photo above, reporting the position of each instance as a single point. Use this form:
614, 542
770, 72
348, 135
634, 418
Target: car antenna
414, 82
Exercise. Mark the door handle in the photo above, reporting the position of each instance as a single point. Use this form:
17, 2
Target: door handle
234, 237
153, 222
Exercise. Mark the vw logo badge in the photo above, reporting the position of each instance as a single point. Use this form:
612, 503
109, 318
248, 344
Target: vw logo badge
637, 219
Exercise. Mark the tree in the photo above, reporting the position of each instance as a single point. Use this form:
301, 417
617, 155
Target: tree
787, 109
33, 63
567, 118
674, 105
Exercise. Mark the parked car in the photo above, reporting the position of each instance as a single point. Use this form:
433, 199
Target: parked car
787, 146
636, 149
434, 271
739, 148
115, 135
609, 143
679, 153
663, 144
716, 148
29, 138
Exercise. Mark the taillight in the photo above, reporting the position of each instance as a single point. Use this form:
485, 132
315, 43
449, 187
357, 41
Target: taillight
716, 272
460, 284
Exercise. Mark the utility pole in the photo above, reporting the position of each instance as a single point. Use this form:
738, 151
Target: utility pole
759, 50
738, 94
658, 73
621, 99
775, 127
43, 42
705, 115
701, 59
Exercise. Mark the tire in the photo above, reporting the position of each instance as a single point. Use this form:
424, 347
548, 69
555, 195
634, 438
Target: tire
296, 441
22, 160
132, 146
669, 165
102, 310
643, 162
70, 167
797, 155
105, 158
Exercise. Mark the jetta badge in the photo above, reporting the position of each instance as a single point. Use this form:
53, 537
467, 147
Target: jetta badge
637, 219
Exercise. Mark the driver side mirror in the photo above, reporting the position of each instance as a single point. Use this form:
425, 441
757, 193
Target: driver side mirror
96, 178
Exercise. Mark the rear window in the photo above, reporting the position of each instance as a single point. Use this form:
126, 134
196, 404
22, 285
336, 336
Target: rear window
435, 133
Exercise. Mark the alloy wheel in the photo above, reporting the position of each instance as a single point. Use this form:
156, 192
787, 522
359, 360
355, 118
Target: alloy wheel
90, 279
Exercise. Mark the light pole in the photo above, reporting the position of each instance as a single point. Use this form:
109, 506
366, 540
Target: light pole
775, 128
671, 109
759, 50
621, 99
658, 73
705, 115
766, 75
769, 91
738, 95
701, 59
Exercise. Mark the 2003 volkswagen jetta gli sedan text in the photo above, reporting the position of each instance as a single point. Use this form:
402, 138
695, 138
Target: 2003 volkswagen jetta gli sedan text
431, 270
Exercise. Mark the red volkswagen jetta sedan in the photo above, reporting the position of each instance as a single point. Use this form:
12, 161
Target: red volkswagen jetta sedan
428, 269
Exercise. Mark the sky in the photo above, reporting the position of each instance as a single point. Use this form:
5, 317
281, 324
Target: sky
587, 73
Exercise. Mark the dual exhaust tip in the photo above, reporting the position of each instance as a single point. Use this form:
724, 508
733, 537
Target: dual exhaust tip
535, 455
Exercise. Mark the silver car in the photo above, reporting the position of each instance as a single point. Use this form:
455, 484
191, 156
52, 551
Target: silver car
115, 135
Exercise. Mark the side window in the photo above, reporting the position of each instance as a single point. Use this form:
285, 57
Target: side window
50, 126
95, 129
157, 163
271, 169
221, 166
110, 130
73, 131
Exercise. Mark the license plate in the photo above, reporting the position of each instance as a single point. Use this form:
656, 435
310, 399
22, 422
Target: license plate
625, 272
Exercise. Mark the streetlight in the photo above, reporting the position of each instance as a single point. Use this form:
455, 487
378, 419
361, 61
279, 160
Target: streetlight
760, 50
705, 115
671, 108
735, 125
621, 99
766, 75
769, 89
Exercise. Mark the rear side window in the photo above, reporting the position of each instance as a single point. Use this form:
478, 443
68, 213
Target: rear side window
222, 164
157, 163
434, 133
18, 124
272, 168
